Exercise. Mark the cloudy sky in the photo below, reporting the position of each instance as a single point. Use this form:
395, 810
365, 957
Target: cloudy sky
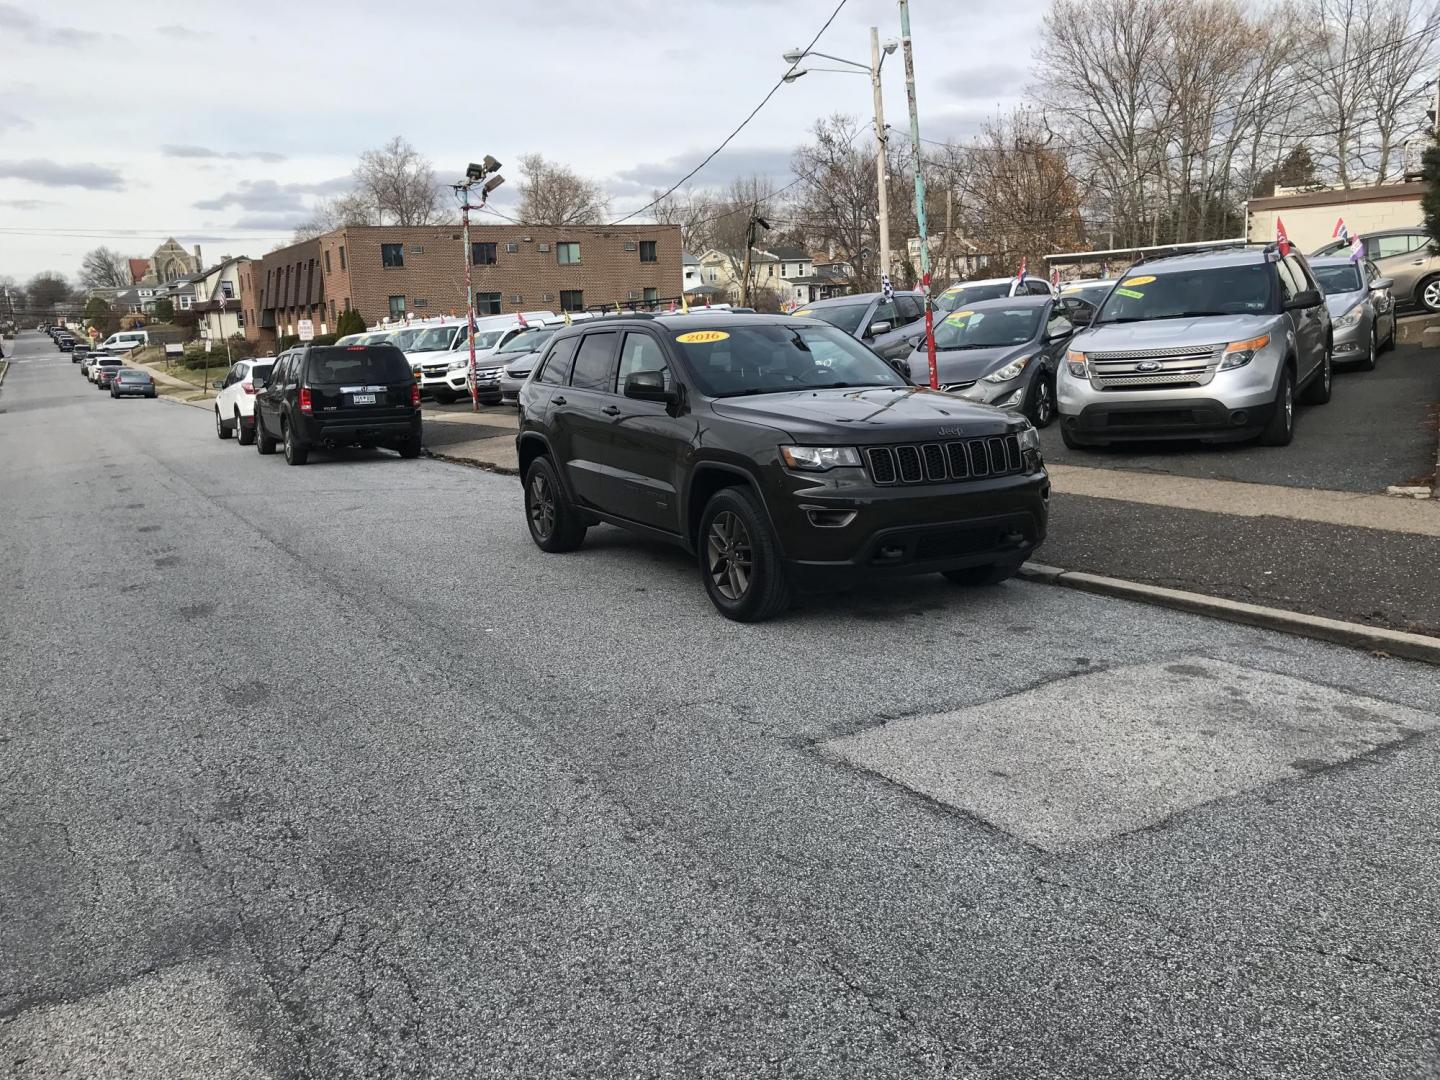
126, 121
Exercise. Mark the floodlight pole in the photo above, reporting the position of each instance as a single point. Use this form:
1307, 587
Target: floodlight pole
464, 188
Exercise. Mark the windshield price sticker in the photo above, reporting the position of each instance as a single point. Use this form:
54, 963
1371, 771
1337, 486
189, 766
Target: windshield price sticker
1133, 294
806, 311
702, 337
1145, 280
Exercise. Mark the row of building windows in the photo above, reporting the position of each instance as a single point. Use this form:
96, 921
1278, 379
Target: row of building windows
488, 303
485, 253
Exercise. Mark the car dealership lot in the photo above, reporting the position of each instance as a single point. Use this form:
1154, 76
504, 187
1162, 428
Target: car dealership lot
553, 809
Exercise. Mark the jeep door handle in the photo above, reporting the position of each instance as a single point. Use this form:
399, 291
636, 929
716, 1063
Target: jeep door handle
560, 401
611, 410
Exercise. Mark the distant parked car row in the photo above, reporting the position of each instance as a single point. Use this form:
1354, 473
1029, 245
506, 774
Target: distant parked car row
108, 372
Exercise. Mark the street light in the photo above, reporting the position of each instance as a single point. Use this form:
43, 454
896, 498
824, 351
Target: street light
473, 175
877, 61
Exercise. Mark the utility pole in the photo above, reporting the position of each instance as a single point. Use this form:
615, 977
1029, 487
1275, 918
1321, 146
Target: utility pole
473, 175
755, 219
919, 188
881, 153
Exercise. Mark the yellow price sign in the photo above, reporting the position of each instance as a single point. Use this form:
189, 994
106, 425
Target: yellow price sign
1145, 280
702, 337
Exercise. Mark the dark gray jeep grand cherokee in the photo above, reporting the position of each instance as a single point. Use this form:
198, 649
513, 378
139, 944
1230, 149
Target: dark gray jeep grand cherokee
779, 450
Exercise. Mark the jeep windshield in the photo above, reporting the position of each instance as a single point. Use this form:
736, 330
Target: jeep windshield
1246, 289
988, 328
1338, 279
770, 358
846, 316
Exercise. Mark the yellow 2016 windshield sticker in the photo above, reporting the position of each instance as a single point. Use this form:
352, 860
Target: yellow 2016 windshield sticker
702, 337
1133, 294
805, 311
1145, 280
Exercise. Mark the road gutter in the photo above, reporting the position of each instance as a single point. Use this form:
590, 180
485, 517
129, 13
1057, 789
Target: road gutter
1353, 635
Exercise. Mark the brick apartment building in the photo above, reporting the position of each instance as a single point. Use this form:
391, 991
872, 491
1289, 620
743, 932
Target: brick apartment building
391, 270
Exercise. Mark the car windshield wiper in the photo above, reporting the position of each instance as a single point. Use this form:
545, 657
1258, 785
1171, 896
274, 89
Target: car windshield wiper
1170, 315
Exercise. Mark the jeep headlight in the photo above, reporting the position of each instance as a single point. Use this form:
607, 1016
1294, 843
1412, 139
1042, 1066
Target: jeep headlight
1075, 364
1010, 370
820, 458
1240, 353
1029, 438
1349, 319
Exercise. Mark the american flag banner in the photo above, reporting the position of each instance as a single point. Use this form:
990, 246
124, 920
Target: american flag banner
1341, 233
1022, 274
1282, 242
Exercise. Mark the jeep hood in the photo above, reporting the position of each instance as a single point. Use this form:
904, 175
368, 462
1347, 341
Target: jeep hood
879, 414
1171, 333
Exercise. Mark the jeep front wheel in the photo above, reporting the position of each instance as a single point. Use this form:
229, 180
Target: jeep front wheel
554, 524
739, 559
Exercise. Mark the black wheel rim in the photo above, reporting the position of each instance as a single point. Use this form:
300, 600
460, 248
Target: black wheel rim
1325, 375
542, 506
1289, 406
1042, 402
729, 556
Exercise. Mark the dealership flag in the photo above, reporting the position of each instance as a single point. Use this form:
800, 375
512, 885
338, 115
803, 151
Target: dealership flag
1020, 277
1357, 249
1341, 233
1055, 277
521, 319
1282, 242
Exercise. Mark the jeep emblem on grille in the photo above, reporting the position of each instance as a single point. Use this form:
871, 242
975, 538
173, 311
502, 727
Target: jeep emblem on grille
1148, 365
947, 432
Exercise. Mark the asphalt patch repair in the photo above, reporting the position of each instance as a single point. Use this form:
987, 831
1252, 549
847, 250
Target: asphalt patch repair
1095, 756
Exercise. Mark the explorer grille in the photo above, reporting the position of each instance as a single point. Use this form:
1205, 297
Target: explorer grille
937, 462
1189, 365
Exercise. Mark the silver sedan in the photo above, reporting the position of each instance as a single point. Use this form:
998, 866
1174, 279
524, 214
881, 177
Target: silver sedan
1362, 311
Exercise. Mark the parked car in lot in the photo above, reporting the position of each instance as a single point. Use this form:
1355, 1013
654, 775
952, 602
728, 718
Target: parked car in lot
518, 356
1001, 352
79, 353
235, 402
132, 381
1092, 292
105, 375
446, 376
1362, 311
1408, 257
104, 366
779, 450
890, 327
331, 396
965, 293
1214, 345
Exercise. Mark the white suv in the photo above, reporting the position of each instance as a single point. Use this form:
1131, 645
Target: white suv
1000, 288
235, 403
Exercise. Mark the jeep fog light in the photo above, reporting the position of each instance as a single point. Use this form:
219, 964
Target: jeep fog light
820, 458
1240, 353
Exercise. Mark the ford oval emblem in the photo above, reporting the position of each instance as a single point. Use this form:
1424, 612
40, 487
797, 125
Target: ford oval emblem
1147, 365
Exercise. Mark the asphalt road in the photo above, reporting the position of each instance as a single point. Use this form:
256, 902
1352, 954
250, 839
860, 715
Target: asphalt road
327, 772
1378, 429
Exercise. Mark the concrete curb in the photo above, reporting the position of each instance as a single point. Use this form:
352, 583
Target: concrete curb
1354, 635
206, 405
474, 463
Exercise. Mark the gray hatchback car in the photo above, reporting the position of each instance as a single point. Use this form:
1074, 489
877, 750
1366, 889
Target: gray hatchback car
1214, 345
1362, 311
1408, 257
890, 327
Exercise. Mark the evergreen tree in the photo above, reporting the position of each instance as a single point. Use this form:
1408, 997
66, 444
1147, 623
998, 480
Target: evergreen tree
349, 322
1430, 201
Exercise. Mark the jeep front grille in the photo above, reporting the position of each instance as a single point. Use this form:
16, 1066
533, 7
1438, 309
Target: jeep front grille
1143, 369
934, 463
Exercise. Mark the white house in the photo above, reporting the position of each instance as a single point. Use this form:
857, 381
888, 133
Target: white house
217, 300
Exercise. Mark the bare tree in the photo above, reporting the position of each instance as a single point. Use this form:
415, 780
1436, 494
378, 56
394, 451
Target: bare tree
352, 208
554, 194
1404, 34
103, 267
399, 184
691, 210
838, 194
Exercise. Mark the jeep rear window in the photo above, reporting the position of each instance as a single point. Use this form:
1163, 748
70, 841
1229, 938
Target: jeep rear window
1139, 296
772, 358
357, 364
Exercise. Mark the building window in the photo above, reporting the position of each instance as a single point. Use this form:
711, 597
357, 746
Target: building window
487, 303
347, 303
185, 302
572, 300
511, 249
417, 249
392, 254
227, 290
327, 262
332, 310
647, 251
482, 254
240, 318
567, 254
397, 303
515, 298
652, 295
342, 256
418, 303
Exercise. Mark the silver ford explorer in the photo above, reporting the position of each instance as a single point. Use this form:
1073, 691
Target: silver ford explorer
1214, 345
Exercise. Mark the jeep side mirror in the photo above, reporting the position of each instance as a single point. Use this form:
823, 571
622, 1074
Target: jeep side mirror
649, 386
1305, 298
878, 327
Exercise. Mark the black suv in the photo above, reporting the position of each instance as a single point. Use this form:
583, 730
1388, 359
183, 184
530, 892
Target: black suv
338, 395
778, 449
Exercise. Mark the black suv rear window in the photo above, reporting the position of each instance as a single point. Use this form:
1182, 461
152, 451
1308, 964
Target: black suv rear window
357, 364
